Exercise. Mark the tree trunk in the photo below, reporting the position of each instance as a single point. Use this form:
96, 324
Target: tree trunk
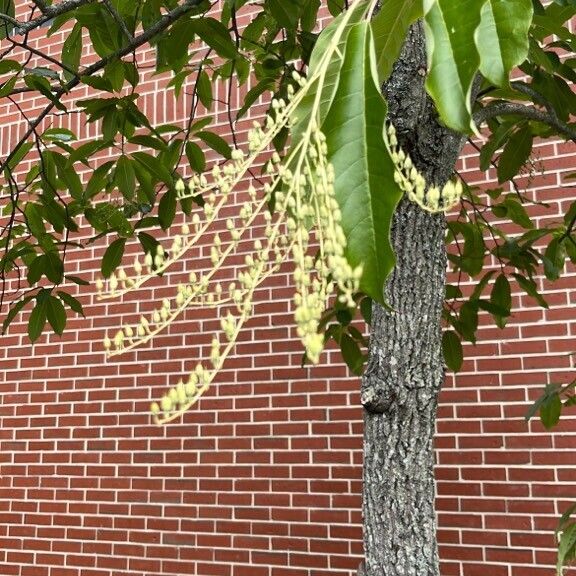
405, 370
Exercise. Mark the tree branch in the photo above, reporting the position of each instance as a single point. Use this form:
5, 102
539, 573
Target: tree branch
118, 19
164, 22
529, 112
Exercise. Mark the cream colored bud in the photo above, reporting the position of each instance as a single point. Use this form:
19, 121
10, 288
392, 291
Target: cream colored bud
166, 403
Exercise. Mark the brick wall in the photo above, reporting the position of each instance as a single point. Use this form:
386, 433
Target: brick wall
263, 476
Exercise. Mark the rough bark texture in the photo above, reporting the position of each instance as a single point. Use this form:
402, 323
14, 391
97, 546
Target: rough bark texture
405, 370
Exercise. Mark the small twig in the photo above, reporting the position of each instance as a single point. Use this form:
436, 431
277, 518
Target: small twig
119, 19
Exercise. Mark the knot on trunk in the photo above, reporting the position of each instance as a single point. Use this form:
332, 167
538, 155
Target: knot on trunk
376, 394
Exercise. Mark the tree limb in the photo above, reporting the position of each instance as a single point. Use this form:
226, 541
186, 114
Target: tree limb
164, 22
529, 112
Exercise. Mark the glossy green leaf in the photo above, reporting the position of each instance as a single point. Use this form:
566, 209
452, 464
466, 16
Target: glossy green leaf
366, 309
452, 349
550, 410
265, 85
517, 213
34, 219
216, 35
364, 185
77, 280
286, 14
154, 167
37, 320
112, 257
14, 310
216, 142
501, 297
529, 286
516, 153
351, 354
54, 267
167, 209
7, 7
56, 314
125, 177
566, 547
554, 259
72, 50
59, 135
204, 89
502, 37
326, 81
452, 58
196, 157
389, 28
468, 318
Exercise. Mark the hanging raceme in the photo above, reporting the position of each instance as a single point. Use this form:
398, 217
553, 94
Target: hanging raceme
411, 181
306, 215
305, 203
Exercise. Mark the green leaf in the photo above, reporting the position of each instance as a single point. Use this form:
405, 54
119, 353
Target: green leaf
452, 58
366, 309
125, 177
267, 84
56, 314
452, 349
204, 89
77, 280
517, 213
167, 209
148, 242
495, 141
549, 390
554, 259
54, 267
14, 310
468, 318
72, 50
309, 15
154, 167
112, 257
215, 34
529, 286
59, 134
389, 28
7, 87
566, 547
7, 65
33, 213
516, 153
326, 77
72, 302
550, 410
351, 354
19, 154
502, 37
286, 14
37, 320
196, 157
501, 296
217, 143
7, 7
364, 182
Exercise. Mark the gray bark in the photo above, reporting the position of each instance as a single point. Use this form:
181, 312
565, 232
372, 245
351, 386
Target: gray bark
405, 369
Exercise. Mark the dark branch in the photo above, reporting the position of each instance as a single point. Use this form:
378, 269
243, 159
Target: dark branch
529, 112
164, 22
